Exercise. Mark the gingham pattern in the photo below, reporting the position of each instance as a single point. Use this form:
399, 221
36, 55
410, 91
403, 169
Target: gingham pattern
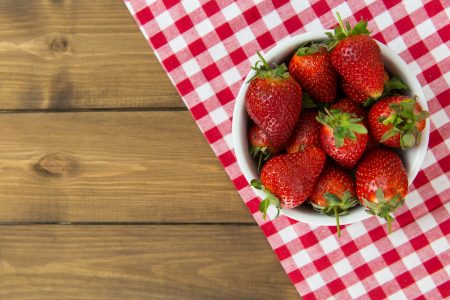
207, 49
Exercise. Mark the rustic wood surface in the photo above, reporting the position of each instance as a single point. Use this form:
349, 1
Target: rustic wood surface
138, 262
94, 134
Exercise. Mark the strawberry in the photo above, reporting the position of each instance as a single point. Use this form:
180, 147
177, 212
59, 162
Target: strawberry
357, 58
274, 101
334, 193
348, 106
356, 95
381, 183
391, 86
288, 179
306, 132
371, 143
343, 136
397, 121
311, 67
260, 147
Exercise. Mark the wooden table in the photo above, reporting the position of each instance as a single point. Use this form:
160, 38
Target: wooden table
107, 188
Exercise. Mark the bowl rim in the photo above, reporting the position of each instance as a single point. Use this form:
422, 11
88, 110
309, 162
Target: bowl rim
358, 213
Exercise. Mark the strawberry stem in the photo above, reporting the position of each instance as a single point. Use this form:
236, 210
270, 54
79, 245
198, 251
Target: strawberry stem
259, 162
341, 24
336, 214
265, 63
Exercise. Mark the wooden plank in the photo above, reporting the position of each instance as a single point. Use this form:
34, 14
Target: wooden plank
111, 167
83, 54
139, 262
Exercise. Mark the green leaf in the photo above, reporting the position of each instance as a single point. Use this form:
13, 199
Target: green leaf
407, 114
407, 140
263, 206
308, 48
380, 195
317, 207
422, 115
351, 135
369, 102
307, 102
358, 128
396, 107
387, 120
394, 83
256, 184
388, 135
339, 135
332, 199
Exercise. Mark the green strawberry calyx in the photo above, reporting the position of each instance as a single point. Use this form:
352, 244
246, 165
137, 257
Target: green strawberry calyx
270, 198
336, 206
383, 208
394, 84
264, 70
344, 125
343, 31
309, 48
262, 154
403, 121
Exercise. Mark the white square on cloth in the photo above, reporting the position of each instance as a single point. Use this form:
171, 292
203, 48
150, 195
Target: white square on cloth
204, 27
384, 20
272, 20
425, 284
191, 67
357, 290
411, 261
219, 116
287, 234
342, 267
218, 51
245, 36
384, 275
177, 44
425, 29
369, 252
164, 20
190, 5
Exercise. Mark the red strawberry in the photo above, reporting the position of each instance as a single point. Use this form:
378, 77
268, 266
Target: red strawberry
260, 147
397, 121
371, 142
343, 136
348, 106
356, 95
274, 102
357, 58
390, 85
306, 133
288, 180
381, 183
311, 67
334, 193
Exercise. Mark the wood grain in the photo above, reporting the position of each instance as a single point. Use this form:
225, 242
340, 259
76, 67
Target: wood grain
139, 262
112, 167
84, 54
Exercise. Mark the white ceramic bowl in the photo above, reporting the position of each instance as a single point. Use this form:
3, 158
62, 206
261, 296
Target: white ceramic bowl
412, 158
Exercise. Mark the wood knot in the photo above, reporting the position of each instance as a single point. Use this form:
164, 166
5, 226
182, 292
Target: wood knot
57, 165
59, 44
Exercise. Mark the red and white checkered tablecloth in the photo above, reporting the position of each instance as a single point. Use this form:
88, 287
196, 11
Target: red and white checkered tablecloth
207, 48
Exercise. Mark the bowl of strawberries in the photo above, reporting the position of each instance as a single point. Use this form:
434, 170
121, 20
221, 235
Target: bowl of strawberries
331, 127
